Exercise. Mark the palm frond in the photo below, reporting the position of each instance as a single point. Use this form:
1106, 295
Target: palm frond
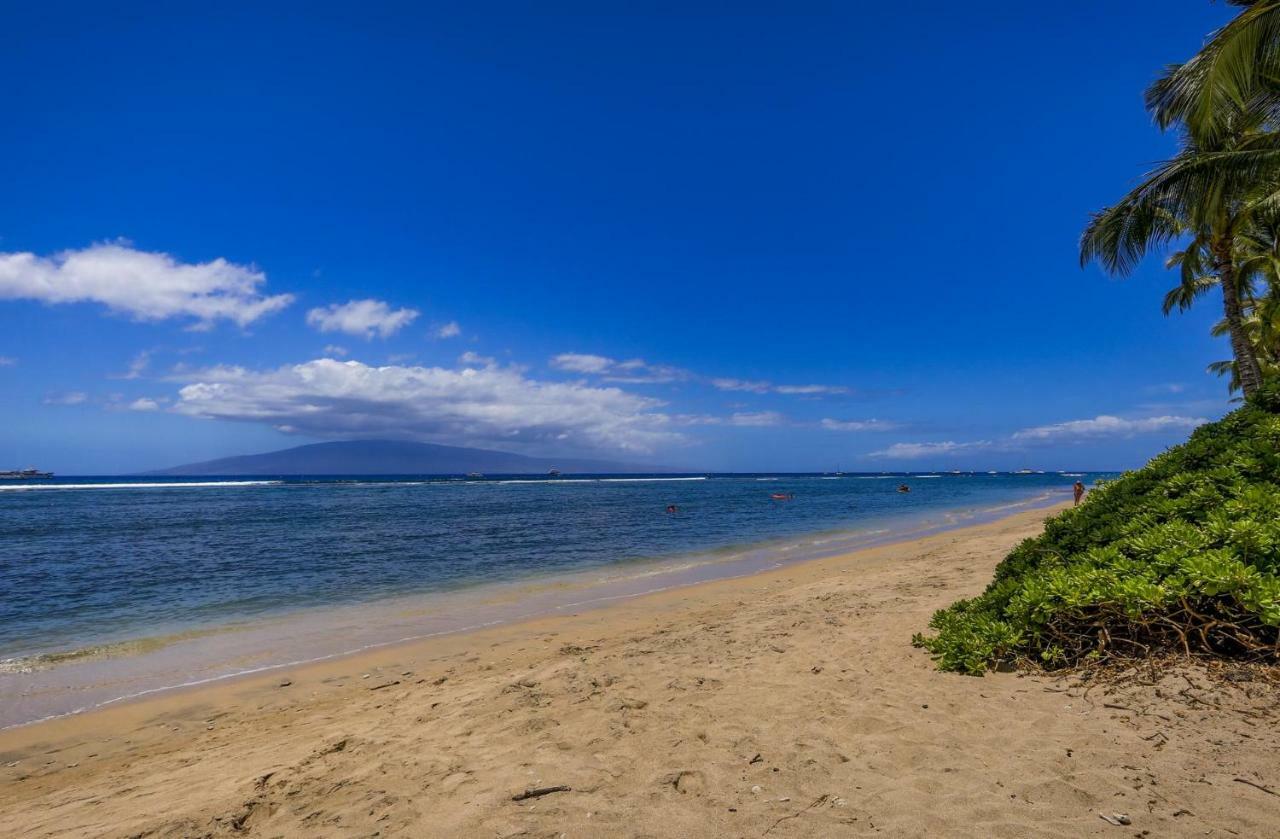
1181, 296
1238, 68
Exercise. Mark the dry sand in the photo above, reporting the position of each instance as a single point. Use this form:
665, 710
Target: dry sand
785, 704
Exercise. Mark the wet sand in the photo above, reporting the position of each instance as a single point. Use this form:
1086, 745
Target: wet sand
789, 703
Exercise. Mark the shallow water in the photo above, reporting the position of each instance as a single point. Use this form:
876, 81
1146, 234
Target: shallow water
115, 587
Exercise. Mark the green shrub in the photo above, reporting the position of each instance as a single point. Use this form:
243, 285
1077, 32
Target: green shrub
1182, 555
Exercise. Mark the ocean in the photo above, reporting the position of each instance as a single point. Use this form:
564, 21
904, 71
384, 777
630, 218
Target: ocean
115, 587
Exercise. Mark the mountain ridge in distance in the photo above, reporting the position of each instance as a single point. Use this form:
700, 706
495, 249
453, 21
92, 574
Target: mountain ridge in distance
393, 457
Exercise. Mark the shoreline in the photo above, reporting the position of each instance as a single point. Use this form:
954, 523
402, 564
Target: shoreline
498, 603
789, 703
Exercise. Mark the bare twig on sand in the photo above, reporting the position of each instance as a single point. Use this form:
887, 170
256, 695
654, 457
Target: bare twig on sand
539, 792
1267, 790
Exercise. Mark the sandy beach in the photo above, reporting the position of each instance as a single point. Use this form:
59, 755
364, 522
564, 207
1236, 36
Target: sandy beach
789, 703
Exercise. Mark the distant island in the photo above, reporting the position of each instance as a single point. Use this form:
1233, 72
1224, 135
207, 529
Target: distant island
391, 457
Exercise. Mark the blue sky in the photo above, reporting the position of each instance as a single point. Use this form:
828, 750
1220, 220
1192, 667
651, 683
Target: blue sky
785, 237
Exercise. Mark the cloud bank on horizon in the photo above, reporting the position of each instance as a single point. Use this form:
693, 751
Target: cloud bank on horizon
490, 405
1075, 431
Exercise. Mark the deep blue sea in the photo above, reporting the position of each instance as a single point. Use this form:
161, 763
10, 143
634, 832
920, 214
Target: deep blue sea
97, 560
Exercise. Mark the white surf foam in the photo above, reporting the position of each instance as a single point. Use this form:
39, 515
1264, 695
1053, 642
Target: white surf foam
595, 480
174, 485
647, 480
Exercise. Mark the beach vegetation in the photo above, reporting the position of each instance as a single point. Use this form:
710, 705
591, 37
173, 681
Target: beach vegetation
1179, 557
1182, 556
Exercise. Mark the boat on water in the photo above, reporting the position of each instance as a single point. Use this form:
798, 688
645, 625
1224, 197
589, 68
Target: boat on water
474, 476
28, 474
553, 473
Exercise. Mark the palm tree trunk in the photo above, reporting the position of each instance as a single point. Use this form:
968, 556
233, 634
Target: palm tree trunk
1247, 367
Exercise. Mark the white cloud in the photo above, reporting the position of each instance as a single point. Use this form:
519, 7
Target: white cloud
6, 361
742, 419
363, 318
697, 419
73, 397
741, 385
1100, 426
761, 386
632, 371
582, 362
449, 330
812, 390
497, 406
757, 419
137, 366
336, 350
858, 425
914, 451
639, 371
1108, 426
147, 286
473, 359
144, 404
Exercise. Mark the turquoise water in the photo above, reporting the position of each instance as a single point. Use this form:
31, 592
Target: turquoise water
95, 570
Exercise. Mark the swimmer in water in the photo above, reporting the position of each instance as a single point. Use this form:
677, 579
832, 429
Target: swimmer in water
671, 508
903, 488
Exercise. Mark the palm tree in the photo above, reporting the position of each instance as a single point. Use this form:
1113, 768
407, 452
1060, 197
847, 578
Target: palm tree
1258, 262
1237, 69
1256, 257
1201, 195
1235, 73
1263, 325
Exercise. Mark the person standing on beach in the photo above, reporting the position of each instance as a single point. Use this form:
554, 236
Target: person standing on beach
1078, 489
